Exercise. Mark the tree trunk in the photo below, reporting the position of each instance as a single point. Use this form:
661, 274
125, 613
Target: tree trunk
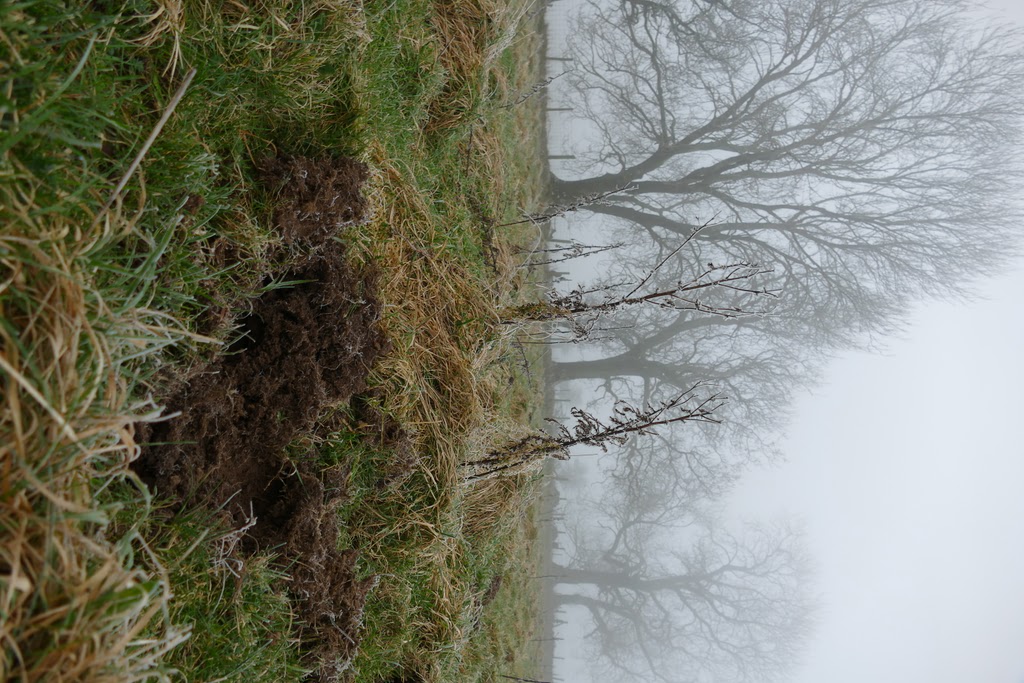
615, 366
603, 579
569, 191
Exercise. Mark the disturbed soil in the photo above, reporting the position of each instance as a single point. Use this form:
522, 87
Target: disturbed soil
316, 197
303, 349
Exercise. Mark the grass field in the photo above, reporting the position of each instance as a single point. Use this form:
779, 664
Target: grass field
120, 306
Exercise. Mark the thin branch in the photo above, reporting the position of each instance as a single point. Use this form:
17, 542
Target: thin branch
145, 147
537, 87
672, 253
561, 210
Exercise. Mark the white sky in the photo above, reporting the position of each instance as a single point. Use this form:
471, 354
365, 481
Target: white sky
907, 470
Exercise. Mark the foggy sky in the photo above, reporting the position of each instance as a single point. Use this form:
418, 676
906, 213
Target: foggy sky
907, 471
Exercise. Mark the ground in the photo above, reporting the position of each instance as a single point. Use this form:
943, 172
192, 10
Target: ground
302, 349
292, 302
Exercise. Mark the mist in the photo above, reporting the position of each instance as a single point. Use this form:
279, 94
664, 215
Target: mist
827, 192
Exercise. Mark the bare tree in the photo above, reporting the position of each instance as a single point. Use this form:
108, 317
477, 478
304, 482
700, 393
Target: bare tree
759, 362
690, 405
724, 608
857, 146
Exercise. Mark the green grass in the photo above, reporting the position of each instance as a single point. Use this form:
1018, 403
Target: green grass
99, 314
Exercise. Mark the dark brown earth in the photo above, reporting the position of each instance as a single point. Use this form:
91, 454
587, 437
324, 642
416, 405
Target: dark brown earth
316, 196
304, 348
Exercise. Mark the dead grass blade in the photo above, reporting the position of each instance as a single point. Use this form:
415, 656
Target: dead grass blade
74, 605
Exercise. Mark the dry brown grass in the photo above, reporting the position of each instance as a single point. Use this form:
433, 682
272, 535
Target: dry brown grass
167, 19
493, 504
432, 305
73, 605
472, 34
448, 370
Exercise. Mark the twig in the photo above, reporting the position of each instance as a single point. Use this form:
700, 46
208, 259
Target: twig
537, 87
574, 251
145, 147
664, 260
517, 344
559, 210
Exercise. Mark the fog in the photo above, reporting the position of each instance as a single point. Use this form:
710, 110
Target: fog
910, 482
854, 512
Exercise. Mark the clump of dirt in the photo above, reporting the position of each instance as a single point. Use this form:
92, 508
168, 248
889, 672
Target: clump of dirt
300, 516
304, 348
318, 196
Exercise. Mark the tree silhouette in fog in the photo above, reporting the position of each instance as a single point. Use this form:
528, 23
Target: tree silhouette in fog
858, 147
722, 607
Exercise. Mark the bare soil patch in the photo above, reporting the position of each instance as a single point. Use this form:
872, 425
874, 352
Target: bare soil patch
316, 196
304, 348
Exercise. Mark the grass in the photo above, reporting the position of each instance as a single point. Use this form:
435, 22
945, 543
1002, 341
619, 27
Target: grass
99, 312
